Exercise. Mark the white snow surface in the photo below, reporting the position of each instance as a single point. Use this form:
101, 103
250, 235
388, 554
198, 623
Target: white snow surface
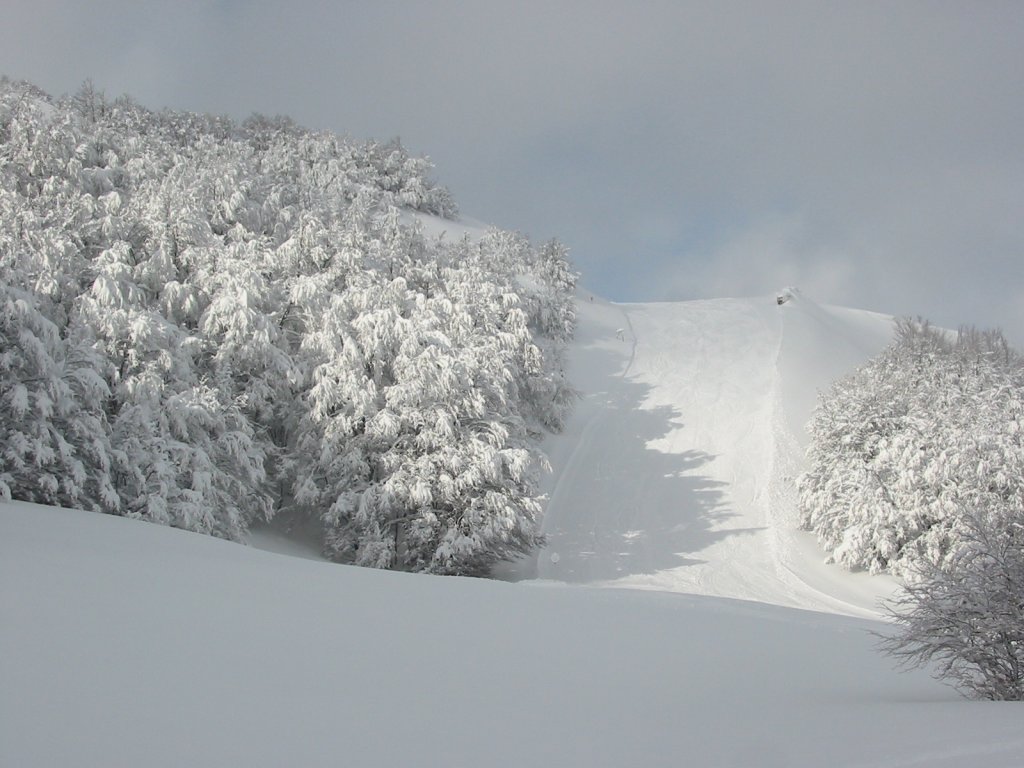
129, 644
450, 230
677, 470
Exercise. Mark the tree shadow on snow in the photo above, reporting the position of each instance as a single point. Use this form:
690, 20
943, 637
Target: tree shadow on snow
620, 506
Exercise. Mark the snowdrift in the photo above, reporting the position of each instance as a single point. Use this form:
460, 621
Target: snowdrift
124, 643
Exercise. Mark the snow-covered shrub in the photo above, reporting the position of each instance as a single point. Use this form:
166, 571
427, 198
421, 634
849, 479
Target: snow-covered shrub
964, 614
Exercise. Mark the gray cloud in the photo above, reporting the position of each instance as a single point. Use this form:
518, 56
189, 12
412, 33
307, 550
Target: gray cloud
869, 152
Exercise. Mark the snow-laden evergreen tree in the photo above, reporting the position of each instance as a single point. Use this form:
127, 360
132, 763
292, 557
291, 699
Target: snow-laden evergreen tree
549, 295
902, 449
461, 452
53, 433
423, 459
185, 454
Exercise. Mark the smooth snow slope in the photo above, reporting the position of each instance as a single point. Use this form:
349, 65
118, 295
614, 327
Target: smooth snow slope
676, 471
128, 644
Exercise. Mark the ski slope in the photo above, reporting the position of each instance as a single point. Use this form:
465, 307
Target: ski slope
677, 469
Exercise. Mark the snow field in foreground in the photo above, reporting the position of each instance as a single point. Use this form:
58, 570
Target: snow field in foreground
124, 644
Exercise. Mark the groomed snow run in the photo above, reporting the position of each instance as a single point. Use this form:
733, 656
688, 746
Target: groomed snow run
128, 644
677, 470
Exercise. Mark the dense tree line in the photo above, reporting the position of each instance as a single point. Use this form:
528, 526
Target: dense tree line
916, 467
206, 324
900, 449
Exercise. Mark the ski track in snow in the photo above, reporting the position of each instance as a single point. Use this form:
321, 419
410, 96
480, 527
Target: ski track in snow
593, 423
677, 471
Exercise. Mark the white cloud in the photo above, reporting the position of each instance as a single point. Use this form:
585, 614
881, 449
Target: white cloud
872, 149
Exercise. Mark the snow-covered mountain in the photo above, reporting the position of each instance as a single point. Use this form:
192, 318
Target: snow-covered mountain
130, 644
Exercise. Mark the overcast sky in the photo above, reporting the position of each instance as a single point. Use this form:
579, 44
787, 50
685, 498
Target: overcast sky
870, 153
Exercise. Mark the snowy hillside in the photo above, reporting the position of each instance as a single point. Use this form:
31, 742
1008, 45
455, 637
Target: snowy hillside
129, 644
285, 338
676, 471
124, 643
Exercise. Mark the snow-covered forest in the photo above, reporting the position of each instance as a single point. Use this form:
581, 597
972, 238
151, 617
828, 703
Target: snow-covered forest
904, 449
207, 324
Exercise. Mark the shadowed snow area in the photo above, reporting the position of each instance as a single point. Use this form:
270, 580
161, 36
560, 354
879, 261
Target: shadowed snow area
677, 469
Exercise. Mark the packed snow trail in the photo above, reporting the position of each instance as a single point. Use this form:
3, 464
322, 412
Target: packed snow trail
677, 469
